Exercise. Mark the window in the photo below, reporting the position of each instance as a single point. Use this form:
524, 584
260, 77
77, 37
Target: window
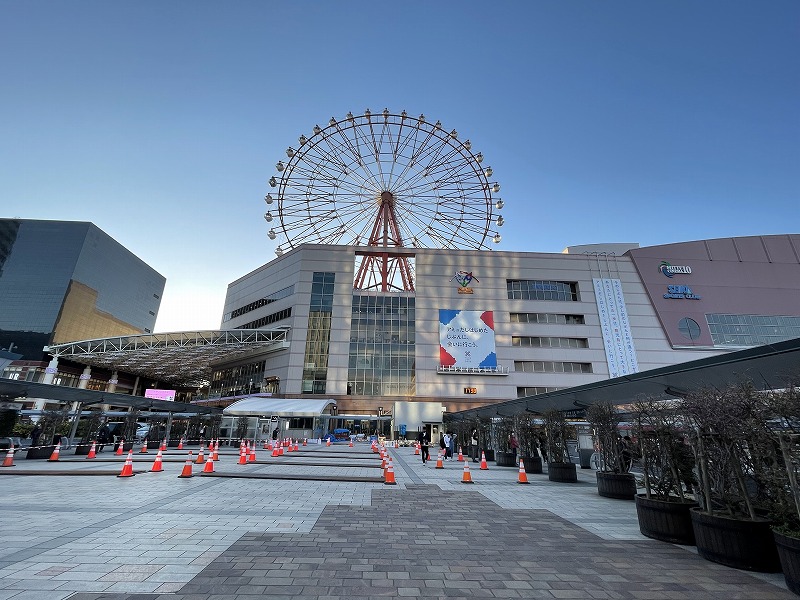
556, 319
284, 293
318, 334
549, 342
751, 330
528, 289
551, 366
269, 319
689, 328
523, 392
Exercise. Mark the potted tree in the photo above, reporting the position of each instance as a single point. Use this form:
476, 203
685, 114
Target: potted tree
729, 524
528, 430
559, 466
502, 430
51, 423
663, 510
782, 485
483, 425
613, 478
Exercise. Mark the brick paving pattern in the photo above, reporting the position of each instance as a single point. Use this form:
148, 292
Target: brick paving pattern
425, 541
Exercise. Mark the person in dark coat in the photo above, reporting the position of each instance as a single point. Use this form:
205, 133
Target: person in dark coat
423, 445
37, 431
103, 437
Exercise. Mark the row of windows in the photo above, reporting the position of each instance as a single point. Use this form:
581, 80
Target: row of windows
751, 330
268, 320
280, 294
530, 289
551, 366
549, 342
524, 392
547, 318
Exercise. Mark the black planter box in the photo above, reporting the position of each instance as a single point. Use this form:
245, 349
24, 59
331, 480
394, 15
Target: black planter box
533, 464
40, 452
666, 521
789, 553
621, 486
506, 459
562, 472
739, 543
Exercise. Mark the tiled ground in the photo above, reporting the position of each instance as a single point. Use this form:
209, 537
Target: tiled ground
155, 536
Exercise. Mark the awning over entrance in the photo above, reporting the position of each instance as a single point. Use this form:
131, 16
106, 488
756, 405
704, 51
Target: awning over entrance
281, 407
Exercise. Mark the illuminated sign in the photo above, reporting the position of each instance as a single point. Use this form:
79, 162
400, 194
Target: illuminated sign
470, 390
680, 292
464, 278
160, 394
670, 270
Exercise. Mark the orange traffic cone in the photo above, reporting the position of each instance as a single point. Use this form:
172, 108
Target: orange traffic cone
275, 452
523, 477
201, 457
460, 455
187, 468
328, 442
209, 466
180, 444
215, 454
252, 456
119, 447
466, 478
389, 478
439, 464
144, 447
8, 461
157, 464
305, 441
484, 466
296, 446
127, 468
242, 456
350, 445
54, 455
281, 451
163, 445
92, 451
266, 445
416, 449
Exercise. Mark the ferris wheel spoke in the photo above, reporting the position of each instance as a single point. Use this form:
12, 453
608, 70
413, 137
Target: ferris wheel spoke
332, 188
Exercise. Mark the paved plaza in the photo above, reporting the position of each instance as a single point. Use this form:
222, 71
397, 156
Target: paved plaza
155, 536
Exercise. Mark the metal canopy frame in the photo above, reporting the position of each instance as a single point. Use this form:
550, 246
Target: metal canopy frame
11, 389
183, 358
770, 366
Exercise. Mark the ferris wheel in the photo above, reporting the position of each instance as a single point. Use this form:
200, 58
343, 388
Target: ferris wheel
385, 181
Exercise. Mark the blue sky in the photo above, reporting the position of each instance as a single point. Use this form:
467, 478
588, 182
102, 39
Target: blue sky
618, 121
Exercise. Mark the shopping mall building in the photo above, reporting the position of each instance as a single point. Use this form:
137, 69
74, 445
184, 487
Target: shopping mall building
485, 326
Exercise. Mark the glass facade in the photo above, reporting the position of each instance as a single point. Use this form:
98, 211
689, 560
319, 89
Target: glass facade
318, 336
62, 281
238, 380
751, 330
382, 338
529, 289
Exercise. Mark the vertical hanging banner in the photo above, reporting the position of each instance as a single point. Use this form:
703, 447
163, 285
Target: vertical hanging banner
466, 339
616, 329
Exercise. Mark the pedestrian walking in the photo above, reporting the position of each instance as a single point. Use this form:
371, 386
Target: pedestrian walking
423, 446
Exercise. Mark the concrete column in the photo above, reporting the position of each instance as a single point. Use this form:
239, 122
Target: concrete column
49, 375
85, 377
111, 388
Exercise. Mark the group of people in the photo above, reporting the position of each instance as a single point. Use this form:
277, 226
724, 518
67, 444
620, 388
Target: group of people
447, 445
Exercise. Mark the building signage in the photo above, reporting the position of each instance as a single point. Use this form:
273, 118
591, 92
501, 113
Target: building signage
670, 270
470, 390
464, 278
466, 338
615, 327
681, 292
